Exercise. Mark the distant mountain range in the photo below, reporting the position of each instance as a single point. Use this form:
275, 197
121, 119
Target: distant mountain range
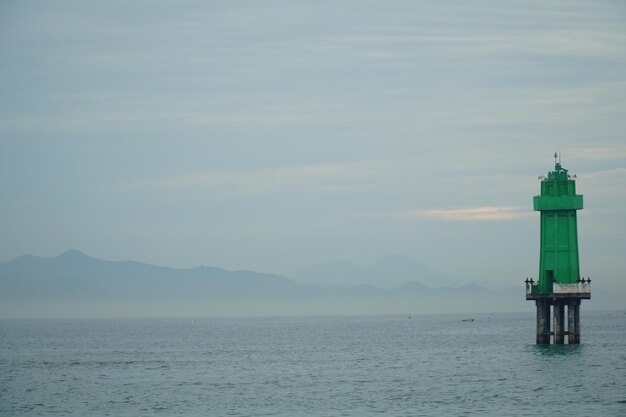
74, 276
75, 284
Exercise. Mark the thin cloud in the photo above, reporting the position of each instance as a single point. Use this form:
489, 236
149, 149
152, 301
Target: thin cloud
604, 186
556, 42
487, 213
595, 154
329, 177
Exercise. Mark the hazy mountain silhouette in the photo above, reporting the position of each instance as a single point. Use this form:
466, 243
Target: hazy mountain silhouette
77, 285
75, 276
74, 284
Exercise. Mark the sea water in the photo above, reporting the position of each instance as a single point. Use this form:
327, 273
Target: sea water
445, 365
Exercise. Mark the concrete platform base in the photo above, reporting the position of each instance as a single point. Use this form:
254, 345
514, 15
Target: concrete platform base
547, 306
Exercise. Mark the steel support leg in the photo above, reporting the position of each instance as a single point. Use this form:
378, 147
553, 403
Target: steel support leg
577, 321
571, 323
543, 321
559, 322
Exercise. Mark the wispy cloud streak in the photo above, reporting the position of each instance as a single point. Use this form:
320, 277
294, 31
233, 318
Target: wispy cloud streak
487, 213
329, 177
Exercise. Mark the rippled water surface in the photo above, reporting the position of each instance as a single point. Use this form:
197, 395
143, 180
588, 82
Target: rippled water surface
322, 366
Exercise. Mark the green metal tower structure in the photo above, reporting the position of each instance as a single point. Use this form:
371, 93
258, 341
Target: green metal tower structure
559, 282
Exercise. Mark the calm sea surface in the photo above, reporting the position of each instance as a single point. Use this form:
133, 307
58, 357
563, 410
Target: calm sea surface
322, 366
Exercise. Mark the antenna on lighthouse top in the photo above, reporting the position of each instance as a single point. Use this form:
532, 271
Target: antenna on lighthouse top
557, 162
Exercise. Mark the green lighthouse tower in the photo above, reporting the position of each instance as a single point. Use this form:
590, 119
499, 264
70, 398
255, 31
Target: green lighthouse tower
559, 282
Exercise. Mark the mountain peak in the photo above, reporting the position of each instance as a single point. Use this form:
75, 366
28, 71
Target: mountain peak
73, 254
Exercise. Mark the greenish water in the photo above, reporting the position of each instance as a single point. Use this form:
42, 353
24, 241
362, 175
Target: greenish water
318, 366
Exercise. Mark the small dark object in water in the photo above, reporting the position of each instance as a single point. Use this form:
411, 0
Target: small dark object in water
468, 320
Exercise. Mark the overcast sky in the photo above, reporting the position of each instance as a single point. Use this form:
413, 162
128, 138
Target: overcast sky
272, 135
